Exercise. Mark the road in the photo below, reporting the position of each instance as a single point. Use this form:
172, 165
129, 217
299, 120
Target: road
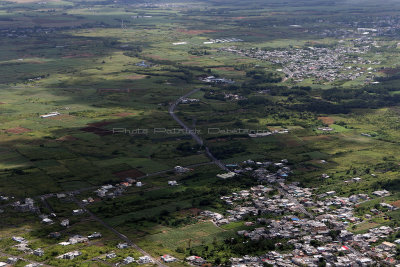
2, 254
298, 205
193, 132
121, 236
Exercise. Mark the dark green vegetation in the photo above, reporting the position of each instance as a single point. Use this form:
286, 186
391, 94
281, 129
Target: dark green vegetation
83, 59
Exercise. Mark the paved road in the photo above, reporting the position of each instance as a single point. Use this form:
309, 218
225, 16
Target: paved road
193, 132
22, 259
294, 200
121, 236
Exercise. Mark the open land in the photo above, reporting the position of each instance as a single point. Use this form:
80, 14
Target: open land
215, 133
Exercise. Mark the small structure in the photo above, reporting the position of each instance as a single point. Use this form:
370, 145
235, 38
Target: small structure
195, 260
55, 235
65, 222
128, 260
38, 252
95, 235
172, 183
19, 239
180, 169
77, 212
47, 221
51, 114
70, 255
139, 184
145, 260
111, 255
122, 245
12, 260
226, 175
168, 258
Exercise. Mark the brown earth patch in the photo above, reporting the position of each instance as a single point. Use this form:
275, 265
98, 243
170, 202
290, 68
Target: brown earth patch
226, 68
396, 203
327, 120
124, 114
390, 71
133, 173
195, 32
99, 124
192, 211
239, 18
2, 103
18, 130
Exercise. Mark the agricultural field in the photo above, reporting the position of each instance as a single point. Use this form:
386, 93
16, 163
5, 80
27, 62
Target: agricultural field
94, 96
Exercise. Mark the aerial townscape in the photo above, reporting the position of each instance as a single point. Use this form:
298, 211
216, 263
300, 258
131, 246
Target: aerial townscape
199, 133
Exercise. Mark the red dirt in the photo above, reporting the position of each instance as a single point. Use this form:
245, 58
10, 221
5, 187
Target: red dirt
327, 120
97, 131
391, 71
2, 103
225, 68
396, 203
18, 130
133, 173
99, 124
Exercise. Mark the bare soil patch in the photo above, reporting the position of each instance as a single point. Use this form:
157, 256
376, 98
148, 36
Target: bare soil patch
99, 124
390, 71
396, 203
239, 18
18, 130
133, 173
327, 120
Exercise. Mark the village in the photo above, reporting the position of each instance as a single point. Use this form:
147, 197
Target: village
324, 64
316, 225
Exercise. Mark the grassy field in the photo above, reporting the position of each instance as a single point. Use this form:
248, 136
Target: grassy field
112, 70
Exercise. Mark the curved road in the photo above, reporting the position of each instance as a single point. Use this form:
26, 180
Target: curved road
191, 131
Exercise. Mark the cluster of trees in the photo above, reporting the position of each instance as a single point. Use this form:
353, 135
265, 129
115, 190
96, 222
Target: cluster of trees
198, 52
261, 76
